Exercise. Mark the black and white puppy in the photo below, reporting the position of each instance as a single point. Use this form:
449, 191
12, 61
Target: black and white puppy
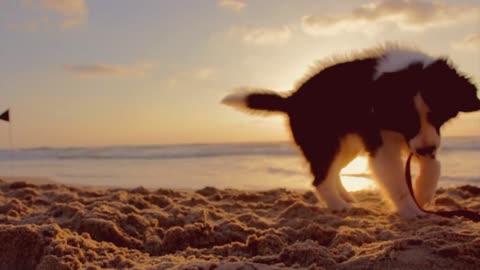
384, 101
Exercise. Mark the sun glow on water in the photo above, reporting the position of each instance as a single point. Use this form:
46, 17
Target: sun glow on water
356, 176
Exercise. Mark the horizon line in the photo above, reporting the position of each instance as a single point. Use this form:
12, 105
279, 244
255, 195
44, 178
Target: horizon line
179, 144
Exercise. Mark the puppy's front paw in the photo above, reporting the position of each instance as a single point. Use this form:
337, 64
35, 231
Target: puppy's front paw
348, 197
411, 213
339, 206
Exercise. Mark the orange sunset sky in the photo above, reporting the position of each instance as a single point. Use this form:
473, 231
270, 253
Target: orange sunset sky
115, 72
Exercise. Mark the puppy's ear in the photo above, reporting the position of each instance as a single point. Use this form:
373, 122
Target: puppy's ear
465, 92
471, 105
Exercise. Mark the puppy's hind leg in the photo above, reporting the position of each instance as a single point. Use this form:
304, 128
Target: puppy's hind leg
326, 164
350, 146
327, 188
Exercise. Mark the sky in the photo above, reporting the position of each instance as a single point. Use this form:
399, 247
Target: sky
139, 72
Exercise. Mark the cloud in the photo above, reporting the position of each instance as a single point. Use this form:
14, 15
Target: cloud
134, 70
409, 15
262, 36
235, 5
72, 12
327, 25
51, 14
66, 7
199, 74
469, 43
203, 74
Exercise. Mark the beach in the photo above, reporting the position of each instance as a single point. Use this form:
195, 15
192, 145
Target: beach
198, 135
57, 226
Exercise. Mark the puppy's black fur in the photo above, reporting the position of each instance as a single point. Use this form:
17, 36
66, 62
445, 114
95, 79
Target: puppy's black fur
348, 98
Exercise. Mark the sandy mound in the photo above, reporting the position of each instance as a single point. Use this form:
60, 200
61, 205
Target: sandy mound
54, 226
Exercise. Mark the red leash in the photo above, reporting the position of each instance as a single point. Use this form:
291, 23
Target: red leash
474, 216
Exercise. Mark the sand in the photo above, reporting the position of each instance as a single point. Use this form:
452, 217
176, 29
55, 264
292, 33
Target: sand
54, 226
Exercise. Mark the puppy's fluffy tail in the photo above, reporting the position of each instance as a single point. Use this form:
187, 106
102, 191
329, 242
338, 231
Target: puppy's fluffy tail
254, 100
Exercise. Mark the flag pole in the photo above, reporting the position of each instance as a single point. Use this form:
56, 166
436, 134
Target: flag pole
5, 116
10, 139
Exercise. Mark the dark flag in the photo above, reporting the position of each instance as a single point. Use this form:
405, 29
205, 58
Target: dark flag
5, 116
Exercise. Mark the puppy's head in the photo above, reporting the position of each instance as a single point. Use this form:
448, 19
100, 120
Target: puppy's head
422, 100
447, 92
443, 94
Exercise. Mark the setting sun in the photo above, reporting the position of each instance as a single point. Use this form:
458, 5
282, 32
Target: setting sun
356, 175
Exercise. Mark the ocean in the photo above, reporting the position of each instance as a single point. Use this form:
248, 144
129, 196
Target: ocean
254, 166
